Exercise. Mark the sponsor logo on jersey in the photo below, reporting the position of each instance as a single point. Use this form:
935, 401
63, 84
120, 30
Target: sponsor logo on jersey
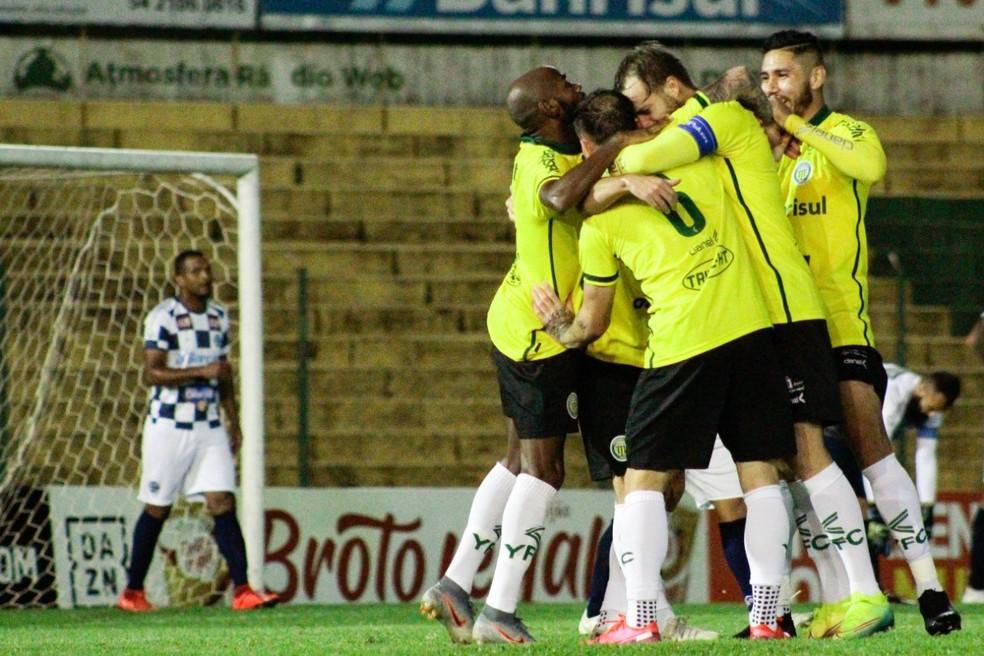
549, 161
183, 322
572, 405
799, 208
618, 448
700, 274
512, 278
802, 172
198, 393
192, 359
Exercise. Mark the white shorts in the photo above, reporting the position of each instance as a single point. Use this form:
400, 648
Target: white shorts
188, 462
718, 481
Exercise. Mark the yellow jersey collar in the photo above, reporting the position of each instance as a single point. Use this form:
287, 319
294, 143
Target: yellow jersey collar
820, 116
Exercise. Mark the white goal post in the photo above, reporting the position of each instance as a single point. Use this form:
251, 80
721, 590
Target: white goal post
172, 187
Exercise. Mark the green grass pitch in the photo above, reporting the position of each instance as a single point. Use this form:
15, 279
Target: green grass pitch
399, 629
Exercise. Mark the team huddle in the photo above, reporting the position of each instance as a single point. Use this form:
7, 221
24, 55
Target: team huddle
690, 293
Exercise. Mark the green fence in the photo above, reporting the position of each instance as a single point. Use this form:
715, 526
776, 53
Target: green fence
941, 246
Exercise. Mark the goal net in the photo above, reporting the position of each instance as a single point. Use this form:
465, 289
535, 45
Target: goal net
87, 243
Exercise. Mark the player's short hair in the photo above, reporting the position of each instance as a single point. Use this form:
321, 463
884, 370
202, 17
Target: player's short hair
652, 63
602, 114
182, 257
796, 42
947, 384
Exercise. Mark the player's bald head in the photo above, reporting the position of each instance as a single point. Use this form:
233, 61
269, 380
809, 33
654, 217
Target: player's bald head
527, 92
805, 46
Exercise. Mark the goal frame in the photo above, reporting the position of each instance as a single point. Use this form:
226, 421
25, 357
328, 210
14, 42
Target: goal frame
245, 167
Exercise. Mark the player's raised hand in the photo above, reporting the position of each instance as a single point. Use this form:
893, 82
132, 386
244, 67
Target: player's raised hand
780, 110
545, 301
652, 190
782, 142
546, 304
792, 150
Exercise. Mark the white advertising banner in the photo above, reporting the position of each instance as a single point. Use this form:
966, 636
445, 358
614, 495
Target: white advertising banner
358, 545
91, 532
389, 544
194, 14
386, 74
944, 20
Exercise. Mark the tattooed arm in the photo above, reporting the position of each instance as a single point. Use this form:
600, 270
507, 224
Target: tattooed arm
737, 83
574, 331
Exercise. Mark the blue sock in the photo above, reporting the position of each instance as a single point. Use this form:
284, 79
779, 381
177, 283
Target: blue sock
145, 535
733, 542
599, 575
229, 538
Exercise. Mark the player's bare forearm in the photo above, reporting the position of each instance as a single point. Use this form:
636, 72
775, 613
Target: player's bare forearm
603, 194
175, 377
654, 191
570, 190
560, 322
738, 84
571, 331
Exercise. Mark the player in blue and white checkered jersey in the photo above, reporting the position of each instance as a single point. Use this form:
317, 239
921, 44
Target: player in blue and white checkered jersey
186, 448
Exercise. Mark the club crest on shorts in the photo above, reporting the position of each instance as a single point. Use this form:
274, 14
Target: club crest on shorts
802, 173
572, 405
618, 449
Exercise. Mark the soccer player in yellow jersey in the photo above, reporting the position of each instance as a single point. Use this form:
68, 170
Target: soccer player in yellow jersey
606, 380
826, 193
537, 376
731, 136
710, 367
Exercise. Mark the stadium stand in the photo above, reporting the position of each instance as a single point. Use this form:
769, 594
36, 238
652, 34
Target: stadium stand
397, 214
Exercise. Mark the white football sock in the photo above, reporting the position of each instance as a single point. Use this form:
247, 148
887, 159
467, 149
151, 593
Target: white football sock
766, 534
644, 544
898, 503
834, 584
614, 602
766, 538
522, 530
765, 605
837, 508
482, 531
785, 593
